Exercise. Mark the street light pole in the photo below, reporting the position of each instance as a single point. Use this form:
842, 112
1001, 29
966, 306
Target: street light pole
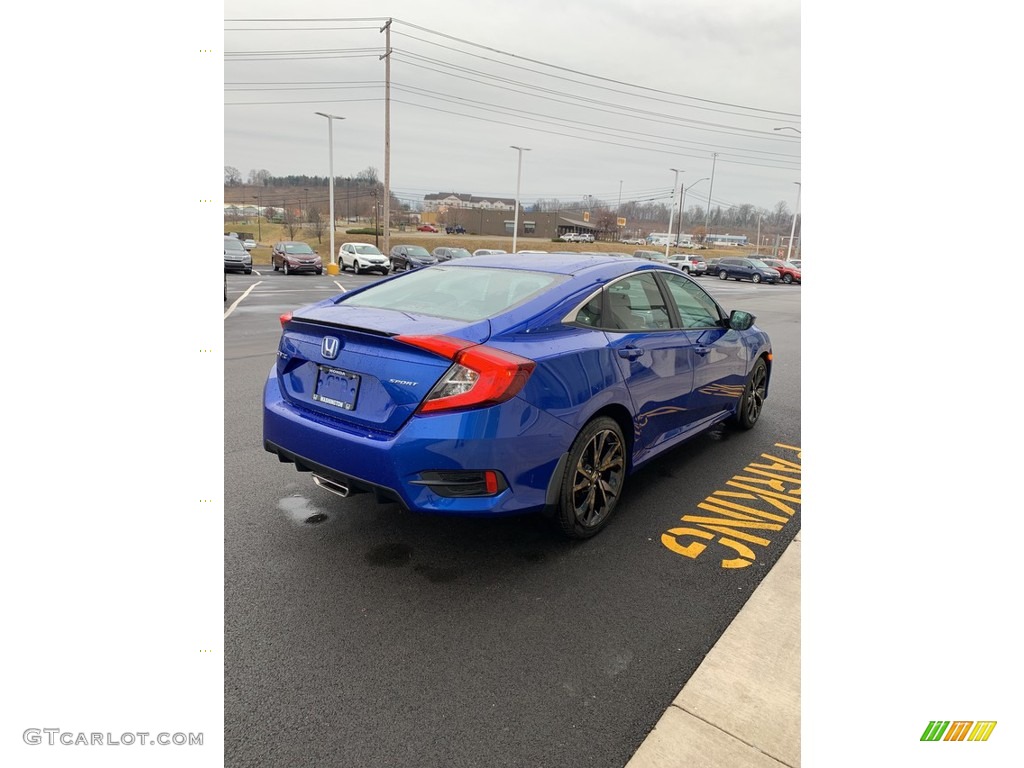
757, 250
519, 172
707, 213
679, 221
675, 182
330, 153
682, 204
792, 229
259, 229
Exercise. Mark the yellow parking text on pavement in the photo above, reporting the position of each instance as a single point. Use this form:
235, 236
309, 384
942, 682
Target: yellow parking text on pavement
759, 501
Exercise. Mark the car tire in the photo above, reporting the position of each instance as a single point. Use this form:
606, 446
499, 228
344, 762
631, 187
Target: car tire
248, 271
284, 268
320, 271
595, 473
274, 265
341, 265
755, 278
752, 402
787, 279
356, 268
723, 275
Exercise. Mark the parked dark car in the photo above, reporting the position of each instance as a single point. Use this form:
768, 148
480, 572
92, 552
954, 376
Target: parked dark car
790, 272
500, 385
404, 257
455, 229
447, 254
291, 256
754, 270
236, 258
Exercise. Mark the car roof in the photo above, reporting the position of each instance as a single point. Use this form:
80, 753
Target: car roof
561, 263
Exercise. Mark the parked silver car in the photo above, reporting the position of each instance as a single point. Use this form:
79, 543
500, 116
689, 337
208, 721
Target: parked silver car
236, 258
362, 257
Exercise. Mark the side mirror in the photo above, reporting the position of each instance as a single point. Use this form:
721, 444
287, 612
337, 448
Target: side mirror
740, 320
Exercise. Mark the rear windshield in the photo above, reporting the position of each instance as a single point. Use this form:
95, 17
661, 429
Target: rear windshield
461, 293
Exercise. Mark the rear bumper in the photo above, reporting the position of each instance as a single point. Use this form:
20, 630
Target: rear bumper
518, 440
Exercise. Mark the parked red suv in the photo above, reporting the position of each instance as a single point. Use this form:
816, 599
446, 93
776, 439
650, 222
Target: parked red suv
790, 272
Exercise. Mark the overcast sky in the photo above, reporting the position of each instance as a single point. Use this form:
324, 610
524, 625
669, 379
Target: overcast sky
608, 96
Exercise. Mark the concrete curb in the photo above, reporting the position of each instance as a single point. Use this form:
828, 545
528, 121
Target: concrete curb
742, 705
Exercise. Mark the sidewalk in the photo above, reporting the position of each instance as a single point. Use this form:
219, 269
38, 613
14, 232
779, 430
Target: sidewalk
741, 708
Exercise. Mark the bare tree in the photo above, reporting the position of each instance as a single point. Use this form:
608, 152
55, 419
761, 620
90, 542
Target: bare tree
368, 176
317, 221
780, 214
291, 223
232, 178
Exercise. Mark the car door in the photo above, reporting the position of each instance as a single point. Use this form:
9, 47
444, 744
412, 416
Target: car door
654, 356
719, 356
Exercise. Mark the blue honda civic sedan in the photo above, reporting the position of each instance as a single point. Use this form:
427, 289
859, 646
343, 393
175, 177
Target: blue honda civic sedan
498, 385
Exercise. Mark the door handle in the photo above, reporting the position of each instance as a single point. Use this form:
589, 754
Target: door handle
630, 352
701, 350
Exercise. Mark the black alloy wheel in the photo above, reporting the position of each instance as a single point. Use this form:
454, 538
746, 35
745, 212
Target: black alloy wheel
752, 402
593, 479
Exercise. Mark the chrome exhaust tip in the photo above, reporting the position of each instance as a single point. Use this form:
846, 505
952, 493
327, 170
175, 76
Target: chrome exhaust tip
330, 485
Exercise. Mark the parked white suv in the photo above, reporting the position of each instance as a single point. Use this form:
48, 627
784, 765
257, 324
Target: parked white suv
363, 257
576, 237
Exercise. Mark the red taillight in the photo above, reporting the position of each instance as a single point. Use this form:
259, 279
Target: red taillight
286, 318
480, 375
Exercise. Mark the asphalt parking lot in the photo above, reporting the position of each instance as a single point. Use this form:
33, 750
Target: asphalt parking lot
357, 634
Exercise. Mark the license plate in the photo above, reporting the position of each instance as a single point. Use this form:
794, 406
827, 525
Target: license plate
336, 387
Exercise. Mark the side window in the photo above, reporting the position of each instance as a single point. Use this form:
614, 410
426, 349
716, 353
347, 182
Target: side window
696, 308
636, 304
590, 313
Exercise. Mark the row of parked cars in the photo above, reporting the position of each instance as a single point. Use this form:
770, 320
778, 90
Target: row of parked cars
756, 270
292, 257
295, 257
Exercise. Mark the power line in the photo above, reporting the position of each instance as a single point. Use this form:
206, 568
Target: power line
595, 77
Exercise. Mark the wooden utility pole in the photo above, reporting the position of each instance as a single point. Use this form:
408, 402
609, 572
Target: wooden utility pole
387, 135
